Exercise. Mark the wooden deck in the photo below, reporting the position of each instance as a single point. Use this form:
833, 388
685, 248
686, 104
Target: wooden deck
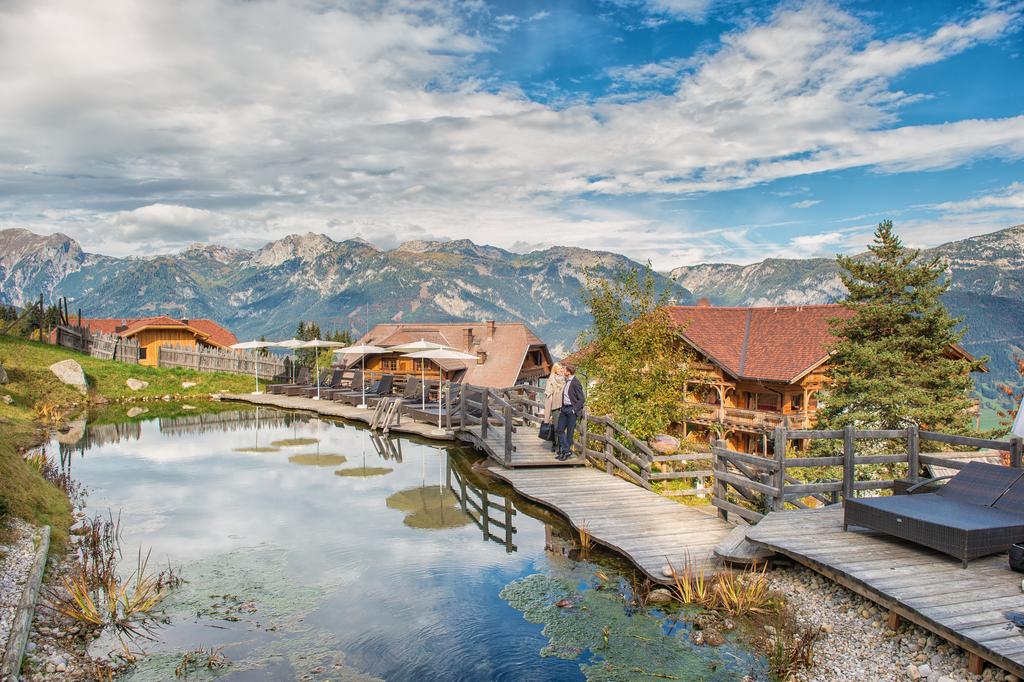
643, 526
528, 449
964, 606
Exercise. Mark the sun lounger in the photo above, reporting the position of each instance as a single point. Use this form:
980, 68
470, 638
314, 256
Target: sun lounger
301, 379
380, 389
333, 382
344, 386
300, 389
980, 511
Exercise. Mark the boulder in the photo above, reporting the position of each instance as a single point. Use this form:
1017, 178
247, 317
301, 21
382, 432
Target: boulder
188, 407
6, 399
136, 411
74, 432
188, 384
136, 384
659, 596
665, 444
71, 373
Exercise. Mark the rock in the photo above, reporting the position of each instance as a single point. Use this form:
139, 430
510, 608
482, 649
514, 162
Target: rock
713, 638
769, 629
3, 374
136, 411
188, 384
7, 399
136, 384
913, 673
946, 678
665, 444
666, 571
75, 432
728, 625
659, 596
71, 373
697, 637
924, 670
827, 628
166, 398
188, 407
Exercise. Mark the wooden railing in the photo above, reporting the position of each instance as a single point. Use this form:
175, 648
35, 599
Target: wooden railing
490, 512
752, 485
742, 417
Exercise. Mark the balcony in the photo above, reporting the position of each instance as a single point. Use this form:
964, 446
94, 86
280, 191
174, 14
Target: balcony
749, 420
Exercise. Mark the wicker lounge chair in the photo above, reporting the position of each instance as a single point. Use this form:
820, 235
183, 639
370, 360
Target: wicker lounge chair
380, 389
980, 511
301, 379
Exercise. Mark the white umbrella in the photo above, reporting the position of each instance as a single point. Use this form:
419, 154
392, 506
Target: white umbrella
440, 354
317, 343
1018, 423
291, 344
416, 347
252, 345
363, 350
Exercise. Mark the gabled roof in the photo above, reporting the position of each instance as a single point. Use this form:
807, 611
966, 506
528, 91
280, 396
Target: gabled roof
506, 347
778, 343
207, 330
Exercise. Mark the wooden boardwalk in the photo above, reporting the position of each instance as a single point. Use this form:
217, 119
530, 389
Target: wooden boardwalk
965, 606
645, 527
528, 450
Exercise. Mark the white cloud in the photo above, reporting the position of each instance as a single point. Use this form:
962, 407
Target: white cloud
806, 203
242, 122
1011, 196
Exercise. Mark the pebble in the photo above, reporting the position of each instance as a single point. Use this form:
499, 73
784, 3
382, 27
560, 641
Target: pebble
15, 567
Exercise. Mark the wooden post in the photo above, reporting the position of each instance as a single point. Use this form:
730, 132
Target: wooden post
609, 433
483, 414
717, 487
507, 414
462, 406
485, 514
779, 503
508, 526
893, 621
584, 429
448, 405
1016, 450
849, 451
975, 664
913, 451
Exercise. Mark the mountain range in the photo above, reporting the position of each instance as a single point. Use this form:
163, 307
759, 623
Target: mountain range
353, 285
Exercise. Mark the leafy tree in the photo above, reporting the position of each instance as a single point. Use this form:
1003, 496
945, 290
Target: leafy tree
307, 331
632, 355
892, 366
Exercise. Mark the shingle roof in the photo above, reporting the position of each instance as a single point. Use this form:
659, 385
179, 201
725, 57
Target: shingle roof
778, 343
506, 348
214, 333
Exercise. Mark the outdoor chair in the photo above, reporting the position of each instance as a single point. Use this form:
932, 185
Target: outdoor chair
979, 511
301, 379
333, 382
298, 389
380, 389
344, 386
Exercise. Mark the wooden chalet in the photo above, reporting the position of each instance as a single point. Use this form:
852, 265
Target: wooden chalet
757, 368
153, 332
507, 353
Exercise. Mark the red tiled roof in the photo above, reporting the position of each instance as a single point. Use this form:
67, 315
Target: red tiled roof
778, 343
213, 333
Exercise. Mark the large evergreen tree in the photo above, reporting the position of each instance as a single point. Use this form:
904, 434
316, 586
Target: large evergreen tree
892, 365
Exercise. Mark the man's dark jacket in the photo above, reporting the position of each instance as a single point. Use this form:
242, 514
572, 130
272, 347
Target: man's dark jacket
576, 397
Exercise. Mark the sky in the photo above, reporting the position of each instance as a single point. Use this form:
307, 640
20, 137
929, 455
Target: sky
674, 131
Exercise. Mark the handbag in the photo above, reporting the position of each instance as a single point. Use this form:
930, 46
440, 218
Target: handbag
547, 432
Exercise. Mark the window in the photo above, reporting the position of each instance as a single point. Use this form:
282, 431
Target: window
142, 352
389, 364
797, 402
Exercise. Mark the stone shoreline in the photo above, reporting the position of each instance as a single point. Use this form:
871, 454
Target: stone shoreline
856, 644
17, 557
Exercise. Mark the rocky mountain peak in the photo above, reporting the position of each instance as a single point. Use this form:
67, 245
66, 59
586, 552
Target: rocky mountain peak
305, 247
221, 254
18, 244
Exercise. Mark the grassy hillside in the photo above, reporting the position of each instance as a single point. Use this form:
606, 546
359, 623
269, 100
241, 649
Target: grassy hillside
40, 401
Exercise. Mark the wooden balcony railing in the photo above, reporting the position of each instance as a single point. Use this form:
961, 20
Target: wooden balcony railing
757, 419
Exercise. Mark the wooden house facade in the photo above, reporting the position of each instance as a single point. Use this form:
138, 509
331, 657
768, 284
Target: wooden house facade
153, 332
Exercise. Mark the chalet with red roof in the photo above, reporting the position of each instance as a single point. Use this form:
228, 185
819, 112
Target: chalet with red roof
153, 332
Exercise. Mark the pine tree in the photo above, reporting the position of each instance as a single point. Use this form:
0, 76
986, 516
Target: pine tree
892, 365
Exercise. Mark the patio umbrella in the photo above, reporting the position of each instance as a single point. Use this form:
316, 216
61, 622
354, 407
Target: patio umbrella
416, 347
363, 350
440, 354
253, 345
318, 343
291, 344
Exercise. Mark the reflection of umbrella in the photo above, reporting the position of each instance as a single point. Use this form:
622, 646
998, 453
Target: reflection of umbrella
416, 347
250, 345
440, 354
362, 350
291, 344
317, 343
429, 506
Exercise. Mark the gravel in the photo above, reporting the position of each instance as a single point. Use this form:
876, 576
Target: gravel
16, 559
856, 644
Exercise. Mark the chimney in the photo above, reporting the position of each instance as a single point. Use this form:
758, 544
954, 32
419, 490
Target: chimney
491, 326
704, 303
467, 338
481, 357
184, 321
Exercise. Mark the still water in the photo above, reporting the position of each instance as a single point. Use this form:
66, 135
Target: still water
316, 550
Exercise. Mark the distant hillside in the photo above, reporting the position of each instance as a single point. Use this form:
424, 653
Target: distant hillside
343, 285
987, 274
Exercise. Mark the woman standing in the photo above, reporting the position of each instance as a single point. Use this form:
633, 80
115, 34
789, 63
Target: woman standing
553, 400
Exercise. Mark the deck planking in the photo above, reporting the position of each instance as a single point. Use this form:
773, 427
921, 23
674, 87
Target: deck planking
963, 605
643, 526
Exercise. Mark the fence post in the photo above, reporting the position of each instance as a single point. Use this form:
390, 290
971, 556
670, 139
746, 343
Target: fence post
584, 432
448, 404
463, 390
849, 452
1016, 451
483, 414
507, 412
779, 503
717, 487
609, 433
913, 451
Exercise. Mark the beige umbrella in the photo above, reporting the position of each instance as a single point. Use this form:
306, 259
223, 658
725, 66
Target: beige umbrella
440, 354
317, 343
291, 344
364, 350
251, 345
416, 347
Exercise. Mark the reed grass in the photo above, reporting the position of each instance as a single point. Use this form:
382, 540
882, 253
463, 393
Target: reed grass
737, 593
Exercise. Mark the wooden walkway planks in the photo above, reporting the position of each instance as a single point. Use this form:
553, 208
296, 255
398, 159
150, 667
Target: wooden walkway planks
964, 606
645, 527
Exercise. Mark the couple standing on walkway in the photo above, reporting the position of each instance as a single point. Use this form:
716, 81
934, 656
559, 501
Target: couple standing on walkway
563, 403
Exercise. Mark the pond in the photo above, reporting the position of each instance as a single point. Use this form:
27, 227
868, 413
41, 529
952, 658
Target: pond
316, 549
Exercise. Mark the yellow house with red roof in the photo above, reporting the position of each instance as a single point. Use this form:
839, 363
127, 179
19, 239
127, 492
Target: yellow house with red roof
153, 332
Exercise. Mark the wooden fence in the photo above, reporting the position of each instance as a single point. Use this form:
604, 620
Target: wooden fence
752, 485
220, 360
98, 344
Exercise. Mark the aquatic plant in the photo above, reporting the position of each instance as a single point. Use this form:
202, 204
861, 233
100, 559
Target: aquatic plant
200, 659
740, 593
692, 584
789, 652
99, 548
585, 539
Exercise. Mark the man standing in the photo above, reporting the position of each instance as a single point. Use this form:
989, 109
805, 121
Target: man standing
573, 401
